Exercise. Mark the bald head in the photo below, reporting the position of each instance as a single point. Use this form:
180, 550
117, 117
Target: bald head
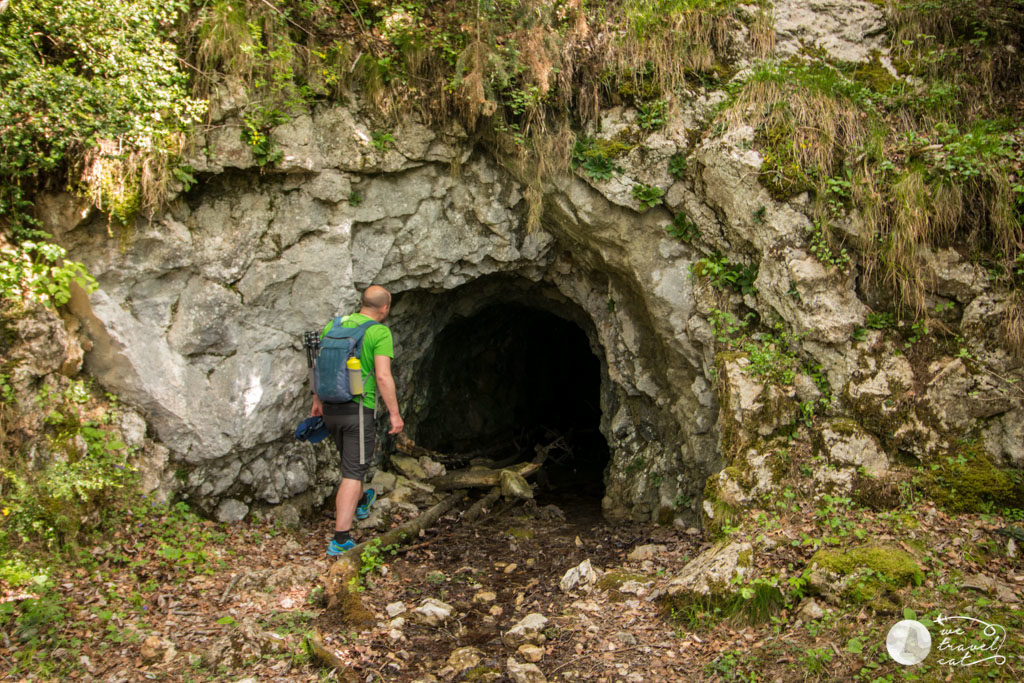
376, 302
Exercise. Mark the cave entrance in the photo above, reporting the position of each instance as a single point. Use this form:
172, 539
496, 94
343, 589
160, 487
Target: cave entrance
510, 377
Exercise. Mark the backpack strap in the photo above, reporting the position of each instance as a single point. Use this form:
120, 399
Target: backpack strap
361, 332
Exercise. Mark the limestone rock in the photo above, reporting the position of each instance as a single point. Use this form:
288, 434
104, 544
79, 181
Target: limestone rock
432, 612
431, 468
847, 31
711, 572
580, 576
395, 608
847, 444
524, 673
530, 652
231, 510
646, 552
513, 485
529, 630
408, 466
958, 397
465, 658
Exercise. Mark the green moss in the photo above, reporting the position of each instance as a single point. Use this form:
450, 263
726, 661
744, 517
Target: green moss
521, 533
967, 481
481, 672
887, 563
722, 513
613, 580
874, 75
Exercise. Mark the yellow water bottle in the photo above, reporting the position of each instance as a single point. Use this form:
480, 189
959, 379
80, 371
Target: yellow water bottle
355, 376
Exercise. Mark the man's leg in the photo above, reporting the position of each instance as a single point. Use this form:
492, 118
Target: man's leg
345, 503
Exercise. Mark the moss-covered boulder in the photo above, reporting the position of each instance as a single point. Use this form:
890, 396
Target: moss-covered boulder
966, 480
865, 574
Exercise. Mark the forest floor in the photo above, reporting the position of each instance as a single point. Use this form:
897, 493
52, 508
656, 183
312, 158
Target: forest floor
177, 598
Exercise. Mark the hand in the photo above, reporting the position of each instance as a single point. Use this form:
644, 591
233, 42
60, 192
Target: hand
397, 423
318, 407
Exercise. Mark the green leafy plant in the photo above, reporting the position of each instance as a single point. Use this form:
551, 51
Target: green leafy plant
382, 140
40, 271
595, 159
648, 195
677, 165
879, 321
683, 228
722, 273
651, 115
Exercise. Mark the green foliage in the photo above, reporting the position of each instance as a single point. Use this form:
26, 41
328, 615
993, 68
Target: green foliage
93, 82
677, 165
594, 158
373, 556
87, 471
683, 229
722, 273
651, 115
648, 195
382, 140
819, 246
39, 271
879, 321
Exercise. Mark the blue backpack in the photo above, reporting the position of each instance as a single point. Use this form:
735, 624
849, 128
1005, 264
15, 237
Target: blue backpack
330, 376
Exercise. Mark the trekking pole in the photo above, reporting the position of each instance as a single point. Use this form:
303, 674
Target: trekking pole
312, 343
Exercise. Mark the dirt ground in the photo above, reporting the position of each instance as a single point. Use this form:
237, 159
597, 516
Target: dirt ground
242, 602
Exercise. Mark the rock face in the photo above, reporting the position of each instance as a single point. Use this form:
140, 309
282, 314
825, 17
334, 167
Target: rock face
199, 317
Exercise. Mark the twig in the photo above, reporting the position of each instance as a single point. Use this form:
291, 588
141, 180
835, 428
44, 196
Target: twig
418, 546
231, 587
602, 652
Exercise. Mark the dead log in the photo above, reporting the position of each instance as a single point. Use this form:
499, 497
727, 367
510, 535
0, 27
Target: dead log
476, 510
479, 478
347, 565
323, 655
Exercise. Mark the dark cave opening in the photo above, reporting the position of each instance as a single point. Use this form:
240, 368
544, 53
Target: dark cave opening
509, 378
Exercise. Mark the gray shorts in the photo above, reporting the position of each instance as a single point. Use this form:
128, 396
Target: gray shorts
342, 420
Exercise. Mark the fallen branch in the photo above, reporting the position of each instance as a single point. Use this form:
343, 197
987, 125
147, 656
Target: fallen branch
488, 478
347, 565
477, 509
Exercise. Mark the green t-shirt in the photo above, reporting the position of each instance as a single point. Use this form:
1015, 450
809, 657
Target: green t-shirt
376, 342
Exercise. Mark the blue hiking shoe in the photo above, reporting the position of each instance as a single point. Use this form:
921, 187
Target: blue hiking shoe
336, 548
363, 510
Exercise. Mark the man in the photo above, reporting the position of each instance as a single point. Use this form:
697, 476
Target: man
342, 419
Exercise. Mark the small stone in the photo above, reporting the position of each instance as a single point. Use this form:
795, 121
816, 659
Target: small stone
1011, 549
485, 596
633, 588
810, 610
397, 622
152, 649
626, 638
530, 562
464, 658
529, 630
396, 634
646, 552
530, 652
431, 468
510, 568
524, 673
432, 612
582, 575
395, 608
231, 510
496, 611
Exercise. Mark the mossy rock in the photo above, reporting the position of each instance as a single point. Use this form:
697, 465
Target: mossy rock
967, 481
613, 580
889, 563
521, 533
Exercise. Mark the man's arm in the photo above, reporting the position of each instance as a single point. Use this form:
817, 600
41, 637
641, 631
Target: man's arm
386, 389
